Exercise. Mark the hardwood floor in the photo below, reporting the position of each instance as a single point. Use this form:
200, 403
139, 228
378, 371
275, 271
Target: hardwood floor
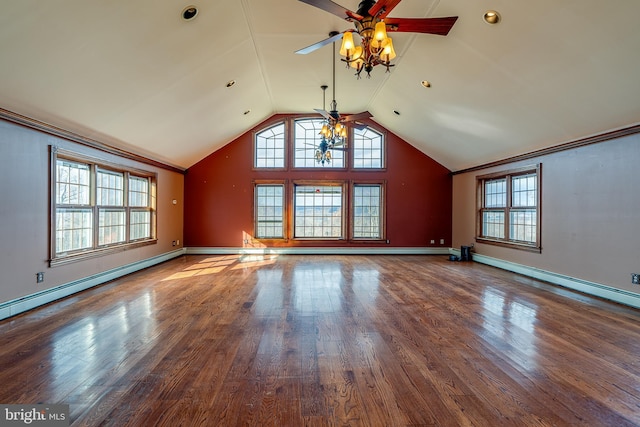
327, 341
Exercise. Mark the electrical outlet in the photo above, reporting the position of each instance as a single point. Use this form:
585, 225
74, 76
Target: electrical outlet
442, 241
40, 277
173, 243
635, 278
433, 242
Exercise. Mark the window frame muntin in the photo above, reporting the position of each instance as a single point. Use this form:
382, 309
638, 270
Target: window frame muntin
480, 202
94, 164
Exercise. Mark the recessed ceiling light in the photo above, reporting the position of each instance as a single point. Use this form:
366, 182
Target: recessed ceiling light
247, 112
425, 83
491, 17
231, 83
396, 112
189, 13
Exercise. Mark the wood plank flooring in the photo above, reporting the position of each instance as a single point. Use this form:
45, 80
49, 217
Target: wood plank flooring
327, 341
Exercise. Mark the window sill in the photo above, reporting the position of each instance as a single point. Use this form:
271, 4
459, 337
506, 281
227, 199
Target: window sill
512, 245
93, 253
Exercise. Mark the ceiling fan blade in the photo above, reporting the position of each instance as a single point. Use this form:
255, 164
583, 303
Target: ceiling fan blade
439, 26
319, 44
324, 113
309, 145
388, 6
356, 117
331, 7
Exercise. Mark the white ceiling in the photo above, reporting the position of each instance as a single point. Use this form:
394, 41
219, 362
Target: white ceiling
135, 75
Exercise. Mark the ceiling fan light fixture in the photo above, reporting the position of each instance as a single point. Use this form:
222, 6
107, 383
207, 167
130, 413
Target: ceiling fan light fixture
380, 35
357, 62
376, 47
491, 17
388, 53
372, 24
347, 47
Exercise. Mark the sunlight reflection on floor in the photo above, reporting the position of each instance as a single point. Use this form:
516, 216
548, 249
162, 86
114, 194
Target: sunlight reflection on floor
217, 264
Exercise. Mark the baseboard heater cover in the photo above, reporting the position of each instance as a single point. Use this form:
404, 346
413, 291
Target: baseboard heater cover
620, 296
29, 302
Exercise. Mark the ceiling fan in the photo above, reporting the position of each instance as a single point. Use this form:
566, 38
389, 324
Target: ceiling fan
371, 24
334, 130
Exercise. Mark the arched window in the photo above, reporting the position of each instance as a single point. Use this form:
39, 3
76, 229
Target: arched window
307, 142
368, 149
269, 147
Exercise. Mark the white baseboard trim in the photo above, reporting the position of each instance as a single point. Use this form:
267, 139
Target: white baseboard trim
317, 251
596, 289
20, 305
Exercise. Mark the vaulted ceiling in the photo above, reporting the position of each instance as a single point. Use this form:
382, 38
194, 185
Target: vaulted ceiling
136, 75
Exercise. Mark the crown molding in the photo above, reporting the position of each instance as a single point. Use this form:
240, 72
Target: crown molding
37, 125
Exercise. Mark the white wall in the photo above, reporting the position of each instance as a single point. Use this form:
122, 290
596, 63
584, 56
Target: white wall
590, 218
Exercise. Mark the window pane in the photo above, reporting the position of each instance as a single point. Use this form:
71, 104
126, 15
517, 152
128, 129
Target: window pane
111, 226
74, 229
318, 211
138, 191
140, 225
495, 192
72, 183
366, 211
109, 188
524, 191
306, 143
522, 225
493, 224
367, 149
269, 211
269, 147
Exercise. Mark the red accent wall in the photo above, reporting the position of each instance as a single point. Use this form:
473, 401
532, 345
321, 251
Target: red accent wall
219, 195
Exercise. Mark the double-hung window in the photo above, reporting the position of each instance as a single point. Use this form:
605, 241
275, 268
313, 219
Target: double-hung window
73, 213
509, 208
367, 211
110, 204
269, 210
98, 206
